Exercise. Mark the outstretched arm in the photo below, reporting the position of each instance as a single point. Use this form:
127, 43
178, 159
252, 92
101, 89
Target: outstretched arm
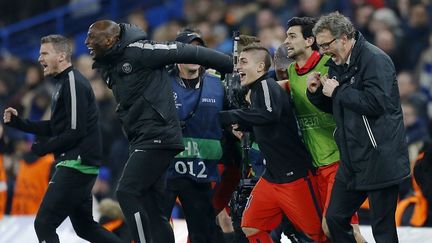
40, 128
156, 54
266, 108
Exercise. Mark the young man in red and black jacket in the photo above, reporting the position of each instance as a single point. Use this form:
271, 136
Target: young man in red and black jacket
285, 187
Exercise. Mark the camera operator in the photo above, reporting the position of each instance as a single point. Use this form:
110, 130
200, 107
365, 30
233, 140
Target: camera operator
284, 187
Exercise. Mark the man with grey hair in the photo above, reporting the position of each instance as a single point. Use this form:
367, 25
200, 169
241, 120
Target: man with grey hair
362, 93
73, 136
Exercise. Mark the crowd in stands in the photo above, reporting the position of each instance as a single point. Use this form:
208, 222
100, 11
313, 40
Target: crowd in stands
12, 11
402, 28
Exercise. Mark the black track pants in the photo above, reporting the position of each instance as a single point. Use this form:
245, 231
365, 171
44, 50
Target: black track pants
69, 194
140, 193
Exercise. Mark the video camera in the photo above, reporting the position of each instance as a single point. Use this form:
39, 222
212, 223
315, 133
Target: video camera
239, 199
235, 93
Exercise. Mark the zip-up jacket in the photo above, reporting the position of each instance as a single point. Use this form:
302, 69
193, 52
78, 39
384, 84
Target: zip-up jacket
369, 127
271, 116
135, 70
72, 132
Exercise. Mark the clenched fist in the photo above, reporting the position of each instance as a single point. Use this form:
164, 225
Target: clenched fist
313, 81
8, 113
329, 85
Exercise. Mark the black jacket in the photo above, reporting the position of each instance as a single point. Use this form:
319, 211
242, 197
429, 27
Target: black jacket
275, 130
135, 70
370, 132
73, 131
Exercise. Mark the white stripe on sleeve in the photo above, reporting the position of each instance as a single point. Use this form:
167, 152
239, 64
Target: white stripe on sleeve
266, 95
153, 46
73, 100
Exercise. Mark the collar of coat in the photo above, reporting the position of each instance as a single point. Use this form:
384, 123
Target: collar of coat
128, 34
254, 83
64, 73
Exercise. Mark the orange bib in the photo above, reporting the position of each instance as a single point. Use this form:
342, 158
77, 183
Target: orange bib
31, 184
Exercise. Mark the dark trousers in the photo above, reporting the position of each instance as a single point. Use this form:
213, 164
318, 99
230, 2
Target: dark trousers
344, 203
141, 192
69, 194
200, 217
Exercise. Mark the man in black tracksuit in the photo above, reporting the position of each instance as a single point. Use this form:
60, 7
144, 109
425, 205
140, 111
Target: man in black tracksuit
363, 96
74, 137
284, 187
134, 68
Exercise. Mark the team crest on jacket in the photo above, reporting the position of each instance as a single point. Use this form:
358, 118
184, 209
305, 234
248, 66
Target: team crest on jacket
127, 67
177, 104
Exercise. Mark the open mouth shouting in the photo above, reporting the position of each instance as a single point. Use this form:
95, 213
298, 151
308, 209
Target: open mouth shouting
91, 51
44, 67
242, 76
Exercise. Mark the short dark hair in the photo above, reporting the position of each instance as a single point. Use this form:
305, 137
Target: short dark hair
266, 54
306, 24
60, 44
